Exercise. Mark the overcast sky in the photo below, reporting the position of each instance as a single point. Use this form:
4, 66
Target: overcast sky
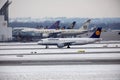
64, 8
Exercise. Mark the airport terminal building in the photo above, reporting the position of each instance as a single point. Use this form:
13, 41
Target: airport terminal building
5, 31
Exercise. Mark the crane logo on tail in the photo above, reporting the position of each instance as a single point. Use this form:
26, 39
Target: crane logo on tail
97, 32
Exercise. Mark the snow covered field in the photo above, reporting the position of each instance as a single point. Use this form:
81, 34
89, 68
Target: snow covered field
105, 50
61, 72
28, 48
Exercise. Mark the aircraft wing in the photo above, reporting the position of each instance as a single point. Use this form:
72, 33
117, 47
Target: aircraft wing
67, 42
62, 44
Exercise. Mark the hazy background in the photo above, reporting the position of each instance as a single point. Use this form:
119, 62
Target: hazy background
64, 8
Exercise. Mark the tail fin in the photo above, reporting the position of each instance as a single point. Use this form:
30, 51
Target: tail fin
97, 33
85, 25
72, 25
55, 25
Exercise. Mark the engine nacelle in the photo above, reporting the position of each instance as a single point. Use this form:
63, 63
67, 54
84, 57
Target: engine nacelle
45, 35
60, 45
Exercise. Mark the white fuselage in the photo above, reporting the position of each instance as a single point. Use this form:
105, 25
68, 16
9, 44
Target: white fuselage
71, 41
63, 31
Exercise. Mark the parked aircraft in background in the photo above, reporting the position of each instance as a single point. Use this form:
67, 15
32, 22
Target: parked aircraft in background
30, 33
74, 32
60, 32
33, 34
62, 42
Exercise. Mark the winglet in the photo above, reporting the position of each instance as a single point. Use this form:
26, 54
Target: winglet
97, 33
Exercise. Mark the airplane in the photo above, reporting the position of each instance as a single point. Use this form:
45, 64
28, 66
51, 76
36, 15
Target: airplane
70, 32
47, 33
62, 42
30, 33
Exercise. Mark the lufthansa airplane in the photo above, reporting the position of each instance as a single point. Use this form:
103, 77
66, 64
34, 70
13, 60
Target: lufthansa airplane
62, 42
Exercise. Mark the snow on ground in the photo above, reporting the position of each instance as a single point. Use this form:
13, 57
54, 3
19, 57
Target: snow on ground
72, 46
31, 51
32, 47
61, 72
55, 57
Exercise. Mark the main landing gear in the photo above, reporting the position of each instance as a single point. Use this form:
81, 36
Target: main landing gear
46, 46
68, 46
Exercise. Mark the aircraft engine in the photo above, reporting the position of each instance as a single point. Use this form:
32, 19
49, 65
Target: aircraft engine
45, 35
60, 45
58, 34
